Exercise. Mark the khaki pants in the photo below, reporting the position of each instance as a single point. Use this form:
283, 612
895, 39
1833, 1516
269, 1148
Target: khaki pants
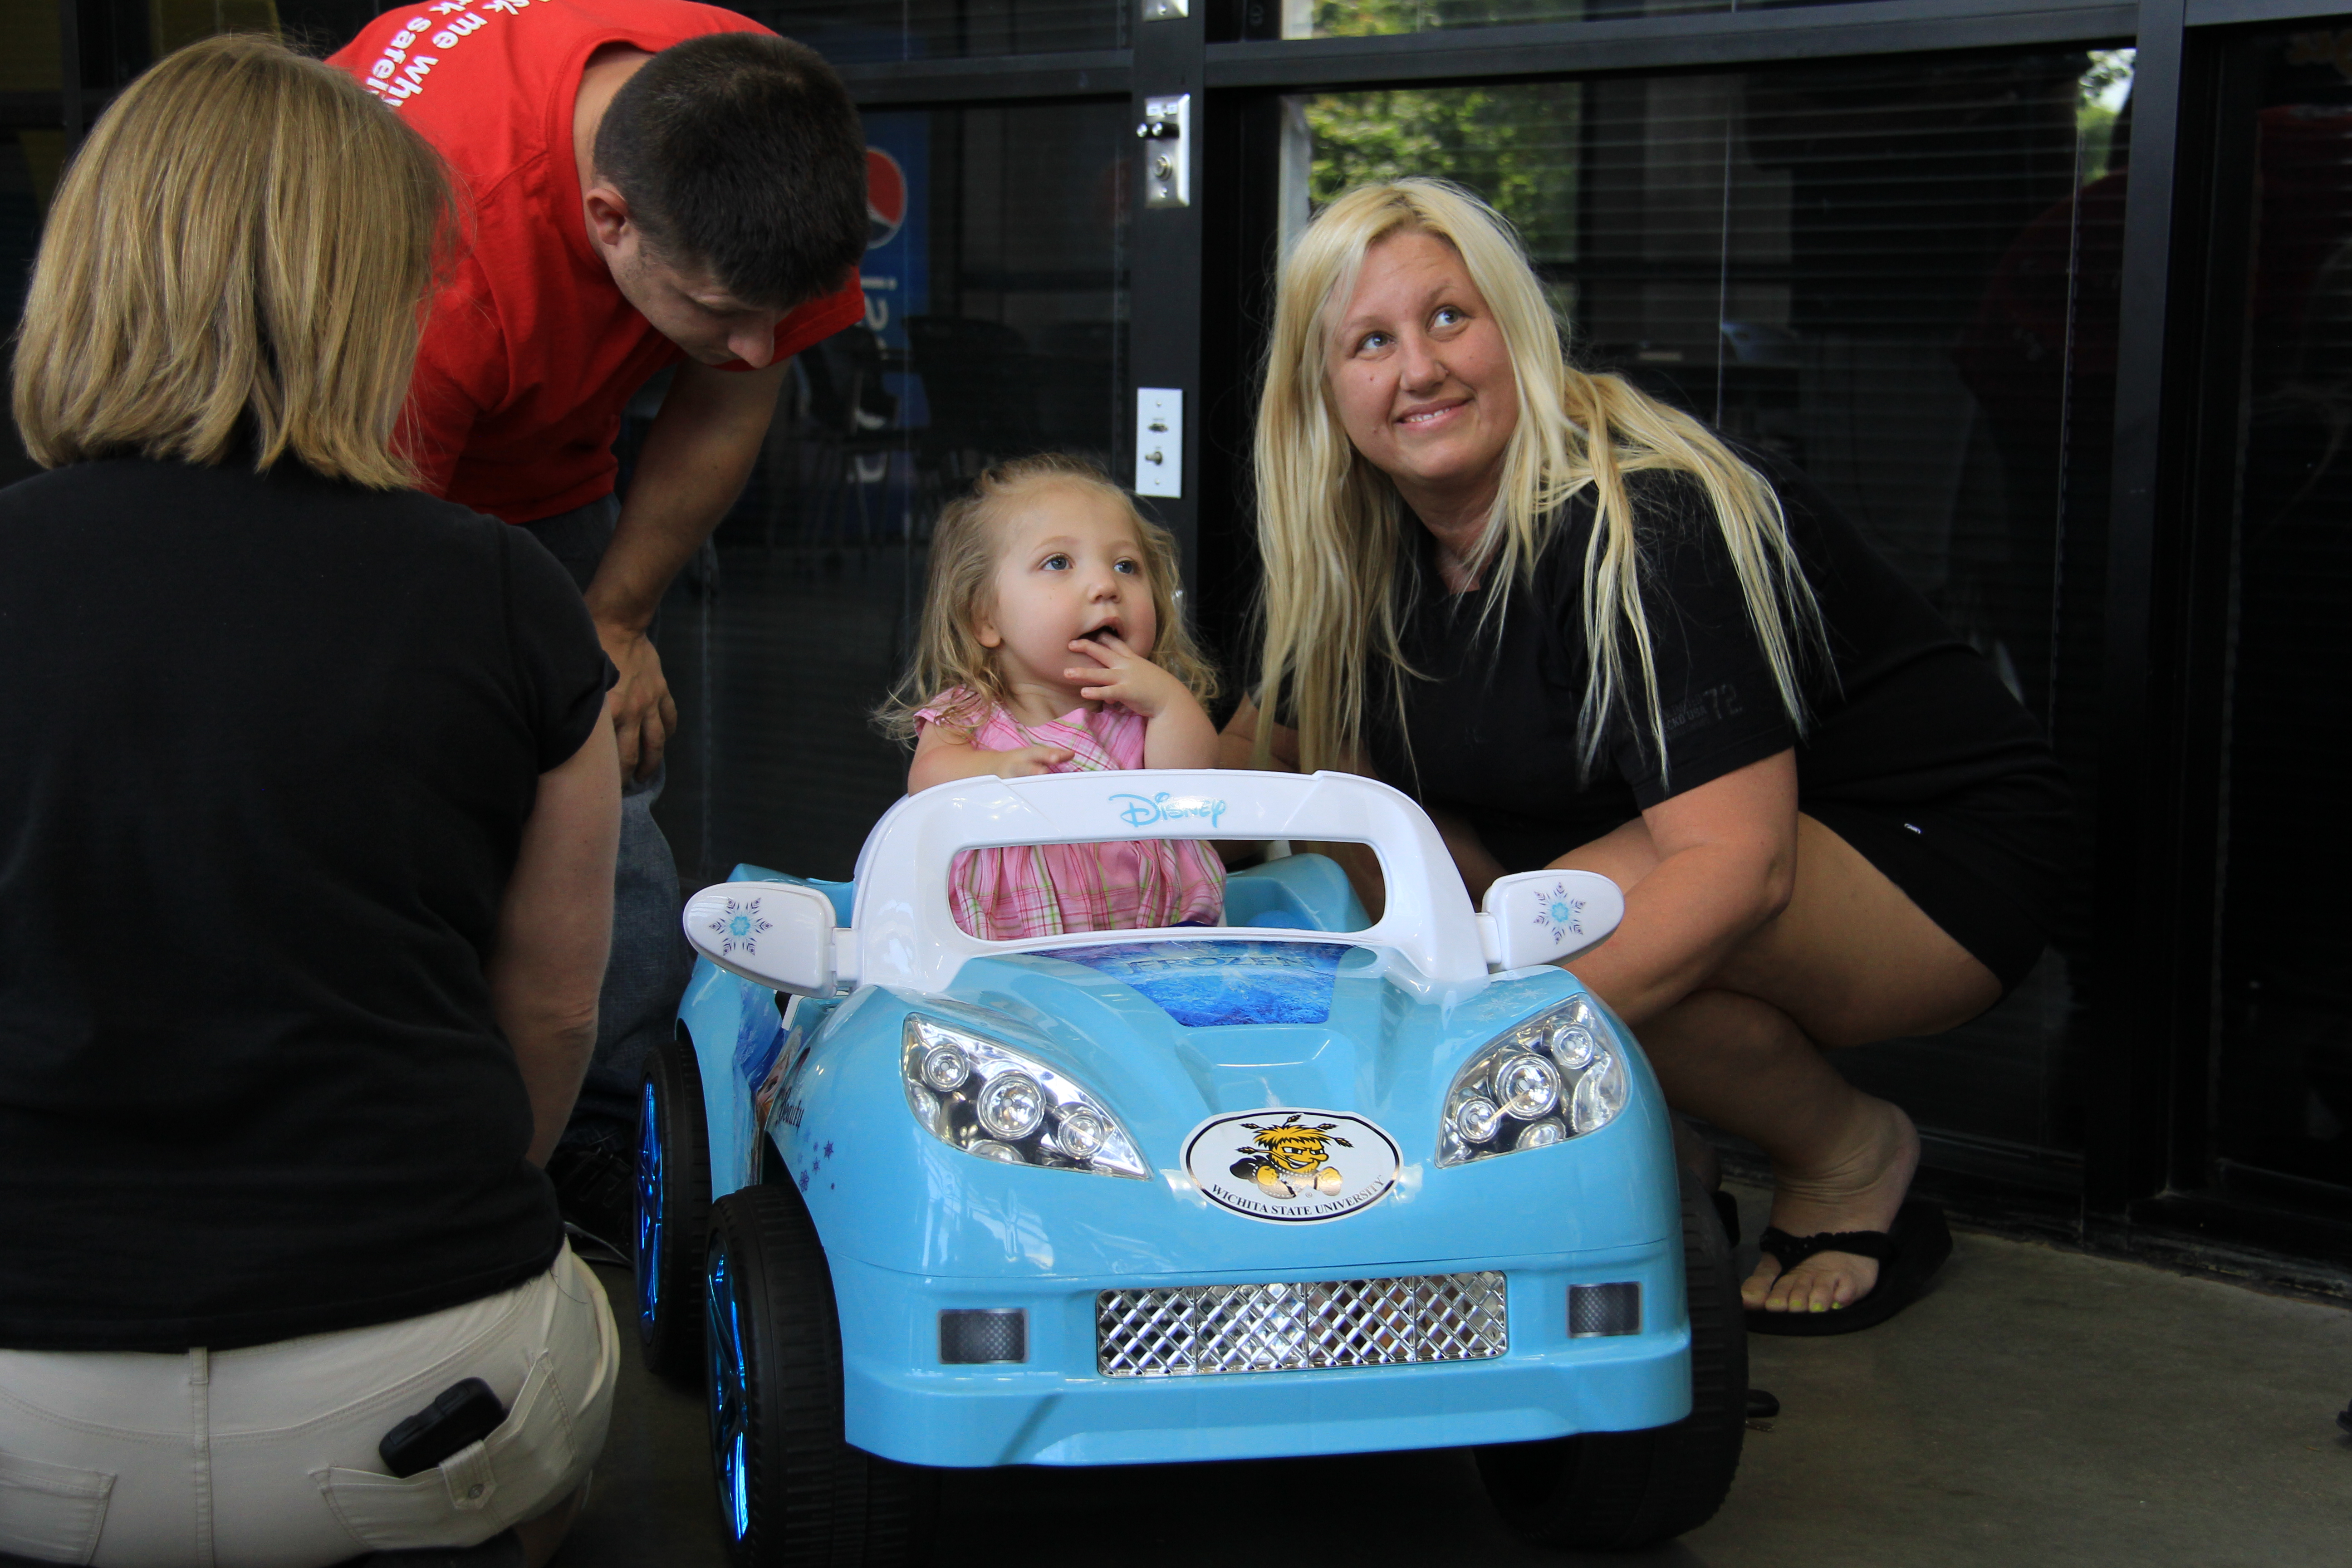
266, 1457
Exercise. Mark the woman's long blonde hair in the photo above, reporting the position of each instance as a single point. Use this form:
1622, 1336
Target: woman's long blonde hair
241, 252
1330, 525
965, 544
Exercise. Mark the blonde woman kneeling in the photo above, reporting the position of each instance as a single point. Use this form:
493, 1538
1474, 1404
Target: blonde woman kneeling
1586, 633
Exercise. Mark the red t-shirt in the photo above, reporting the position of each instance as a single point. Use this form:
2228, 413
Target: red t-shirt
531, 351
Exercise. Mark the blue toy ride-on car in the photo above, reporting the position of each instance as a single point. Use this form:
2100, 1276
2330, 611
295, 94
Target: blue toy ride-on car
1358, 1184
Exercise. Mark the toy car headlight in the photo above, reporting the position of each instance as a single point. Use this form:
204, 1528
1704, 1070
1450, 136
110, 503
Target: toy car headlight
997, 1104
1558, 1076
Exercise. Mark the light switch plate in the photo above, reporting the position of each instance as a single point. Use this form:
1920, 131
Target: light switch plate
1167, 136
1159, 441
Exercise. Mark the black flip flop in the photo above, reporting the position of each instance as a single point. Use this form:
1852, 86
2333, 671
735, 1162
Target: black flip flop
1908, 1253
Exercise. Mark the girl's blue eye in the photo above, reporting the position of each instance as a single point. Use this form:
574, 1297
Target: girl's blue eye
1129, 567
1055, 563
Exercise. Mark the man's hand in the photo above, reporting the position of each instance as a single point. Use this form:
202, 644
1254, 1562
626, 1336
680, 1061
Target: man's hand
643, 712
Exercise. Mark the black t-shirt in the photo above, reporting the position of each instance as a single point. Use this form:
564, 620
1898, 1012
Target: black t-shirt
1904, 715
267, 752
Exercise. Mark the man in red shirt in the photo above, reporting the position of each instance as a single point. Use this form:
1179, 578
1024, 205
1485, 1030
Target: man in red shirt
650, 183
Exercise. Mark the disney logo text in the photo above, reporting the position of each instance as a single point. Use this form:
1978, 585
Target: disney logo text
1139, 811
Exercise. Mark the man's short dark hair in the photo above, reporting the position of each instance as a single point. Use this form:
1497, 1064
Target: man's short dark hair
741, 153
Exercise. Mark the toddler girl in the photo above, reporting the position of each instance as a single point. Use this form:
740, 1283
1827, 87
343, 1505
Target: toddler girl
1048, 597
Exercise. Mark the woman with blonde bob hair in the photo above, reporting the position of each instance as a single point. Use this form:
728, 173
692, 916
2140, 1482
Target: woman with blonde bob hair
1585, 632
307, 817
248, 276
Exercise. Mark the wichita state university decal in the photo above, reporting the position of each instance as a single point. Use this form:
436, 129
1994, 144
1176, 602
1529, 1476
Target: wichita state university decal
1295, 1166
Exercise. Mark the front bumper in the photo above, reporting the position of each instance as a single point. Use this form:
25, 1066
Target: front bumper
1058, 1408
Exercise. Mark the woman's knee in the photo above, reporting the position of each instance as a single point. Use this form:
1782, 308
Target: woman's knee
1850, 959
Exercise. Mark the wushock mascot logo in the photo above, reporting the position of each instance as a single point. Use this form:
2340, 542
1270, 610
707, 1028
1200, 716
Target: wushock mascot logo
1296, 1165
1286, 1160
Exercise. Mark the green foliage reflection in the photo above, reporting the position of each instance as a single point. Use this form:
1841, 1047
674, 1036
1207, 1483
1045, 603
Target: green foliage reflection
1517, 146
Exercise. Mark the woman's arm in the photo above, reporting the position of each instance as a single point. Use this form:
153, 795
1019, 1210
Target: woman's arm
555, 926
1237, 748
1472, 859
1237, 741
1235, 744
1720, 862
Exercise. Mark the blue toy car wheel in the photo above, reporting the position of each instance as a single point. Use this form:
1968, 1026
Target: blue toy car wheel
672, 1210
1617, 1491
791, 1491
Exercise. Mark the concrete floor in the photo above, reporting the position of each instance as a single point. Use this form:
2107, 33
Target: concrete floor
2039, 1407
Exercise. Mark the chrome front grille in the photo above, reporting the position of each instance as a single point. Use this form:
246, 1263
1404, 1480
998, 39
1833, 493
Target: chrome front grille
1194, 1330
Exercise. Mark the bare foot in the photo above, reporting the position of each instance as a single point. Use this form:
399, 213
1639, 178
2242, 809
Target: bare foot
1861, 1189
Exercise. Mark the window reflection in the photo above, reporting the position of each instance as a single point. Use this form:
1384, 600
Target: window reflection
1359, 18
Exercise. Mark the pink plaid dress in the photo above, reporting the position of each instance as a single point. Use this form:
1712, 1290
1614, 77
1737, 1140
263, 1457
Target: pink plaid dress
1056, 889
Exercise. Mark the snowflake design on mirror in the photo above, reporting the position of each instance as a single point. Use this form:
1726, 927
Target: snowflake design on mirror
740, 926
1560, 914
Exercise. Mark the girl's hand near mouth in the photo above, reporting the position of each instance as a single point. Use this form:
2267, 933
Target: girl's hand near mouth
1133, 681
1178, 734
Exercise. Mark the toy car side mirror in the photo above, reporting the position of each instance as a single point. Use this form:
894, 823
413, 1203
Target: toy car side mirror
1542, 917
777, 934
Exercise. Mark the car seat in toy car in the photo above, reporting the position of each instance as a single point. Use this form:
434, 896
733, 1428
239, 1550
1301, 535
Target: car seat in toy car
1297, 892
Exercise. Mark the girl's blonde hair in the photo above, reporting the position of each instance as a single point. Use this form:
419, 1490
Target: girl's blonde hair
948, 651
1330, 525
242, 251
